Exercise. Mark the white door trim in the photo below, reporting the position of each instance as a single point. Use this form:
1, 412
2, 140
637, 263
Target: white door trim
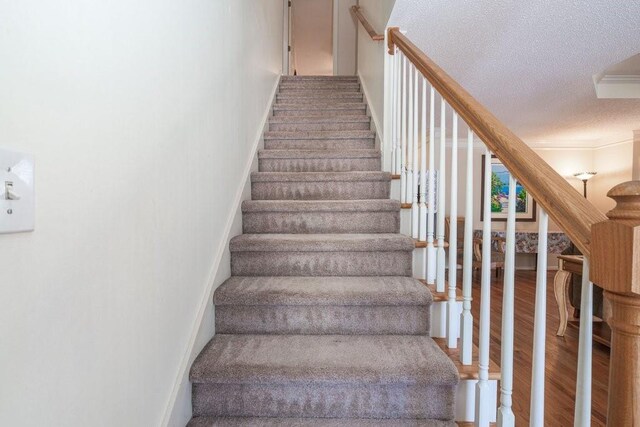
286, 16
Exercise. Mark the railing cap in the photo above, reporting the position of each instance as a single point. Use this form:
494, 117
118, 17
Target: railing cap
627, 198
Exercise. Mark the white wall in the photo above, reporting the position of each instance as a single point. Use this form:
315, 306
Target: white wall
142, 117
345, 33
614, 165
312, 36
371, 57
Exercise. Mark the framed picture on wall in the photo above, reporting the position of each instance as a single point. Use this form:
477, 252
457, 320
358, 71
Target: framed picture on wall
525, 205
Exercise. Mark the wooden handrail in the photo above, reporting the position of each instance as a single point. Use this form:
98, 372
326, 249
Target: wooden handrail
367, 26
572, 212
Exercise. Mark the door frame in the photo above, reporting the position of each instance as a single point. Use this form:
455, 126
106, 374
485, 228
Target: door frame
286, 36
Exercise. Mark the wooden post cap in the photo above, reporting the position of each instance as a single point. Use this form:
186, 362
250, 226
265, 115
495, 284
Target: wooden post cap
390, 43
627, 198
615, 244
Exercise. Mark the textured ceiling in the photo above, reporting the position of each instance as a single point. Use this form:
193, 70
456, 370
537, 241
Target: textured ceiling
532, 62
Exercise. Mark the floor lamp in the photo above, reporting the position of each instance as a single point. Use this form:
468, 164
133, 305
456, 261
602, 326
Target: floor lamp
584, 177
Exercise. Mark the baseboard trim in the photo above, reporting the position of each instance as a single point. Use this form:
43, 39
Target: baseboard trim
374, 115
209, 288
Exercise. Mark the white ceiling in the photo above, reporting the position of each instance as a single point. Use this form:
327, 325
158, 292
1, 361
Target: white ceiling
532, 62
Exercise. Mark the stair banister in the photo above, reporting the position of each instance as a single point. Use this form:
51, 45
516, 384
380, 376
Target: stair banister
356, 10
441, 253
582, 413
565, 206
466, 318
483, 410
453, 326
615, 242
423, 168
412, 186
539, 327
431, 250
403, 125
417, 162
506, 417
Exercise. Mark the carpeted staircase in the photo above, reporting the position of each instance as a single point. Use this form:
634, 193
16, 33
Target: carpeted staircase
321, 323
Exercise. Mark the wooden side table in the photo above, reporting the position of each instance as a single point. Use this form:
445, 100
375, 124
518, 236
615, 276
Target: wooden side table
567, 265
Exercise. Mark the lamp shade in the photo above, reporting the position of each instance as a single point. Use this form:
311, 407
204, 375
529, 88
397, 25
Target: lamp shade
584, 176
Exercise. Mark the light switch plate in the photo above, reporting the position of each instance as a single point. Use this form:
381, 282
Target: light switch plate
17, 182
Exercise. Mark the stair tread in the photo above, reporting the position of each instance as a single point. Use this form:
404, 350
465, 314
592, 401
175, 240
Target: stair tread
321, 77
441, 296
318, 154
319, 82
302, 90
288, 98
342, 291
323, 359
314, 422
319, 176
322, 96
380, 242
319, 134
375, 205
468, 372
343, 118
344, 106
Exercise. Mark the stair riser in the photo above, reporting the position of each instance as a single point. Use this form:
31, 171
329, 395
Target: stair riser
319, 144
311, 127
319, 165
321, 190
321, 222
316, 320
311, 112
322, 400
390, 263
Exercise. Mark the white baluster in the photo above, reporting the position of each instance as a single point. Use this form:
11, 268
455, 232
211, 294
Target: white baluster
505, 413
582, 416
390, 125
453, 328
403, 124
466, 318
423, 169
536, 418
431, 197
398, 111
410, 141
415, 220
483, 389
441, 199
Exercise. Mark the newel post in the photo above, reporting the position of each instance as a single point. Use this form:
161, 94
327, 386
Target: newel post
615, 266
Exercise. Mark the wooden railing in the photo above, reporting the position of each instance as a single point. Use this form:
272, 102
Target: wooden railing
572, 212
414, 125
356, 10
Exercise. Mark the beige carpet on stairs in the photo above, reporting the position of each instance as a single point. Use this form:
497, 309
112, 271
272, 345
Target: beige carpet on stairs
321, 323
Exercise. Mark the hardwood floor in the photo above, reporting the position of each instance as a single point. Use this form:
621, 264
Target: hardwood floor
561, 354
